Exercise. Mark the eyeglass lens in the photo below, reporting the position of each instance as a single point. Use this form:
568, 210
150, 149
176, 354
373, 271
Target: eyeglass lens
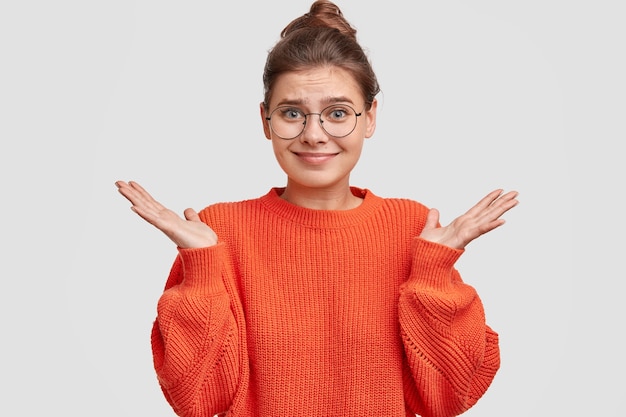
289, 122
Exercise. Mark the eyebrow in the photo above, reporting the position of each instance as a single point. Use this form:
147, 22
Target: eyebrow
325, 101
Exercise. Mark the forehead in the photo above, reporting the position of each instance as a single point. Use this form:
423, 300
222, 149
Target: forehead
317, 86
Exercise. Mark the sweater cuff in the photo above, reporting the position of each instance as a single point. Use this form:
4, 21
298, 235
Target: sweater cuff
433, 264
202, 268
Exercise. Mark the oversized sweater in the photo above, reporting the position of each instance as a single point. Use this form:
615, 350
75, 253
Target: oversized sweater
302, 312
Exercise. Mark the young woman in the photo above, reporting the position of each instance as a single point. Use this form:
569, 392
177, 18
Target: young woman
320, 298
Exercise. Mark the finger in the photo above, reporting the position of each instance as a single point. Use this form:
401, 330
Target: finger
485, 202
135, 198
494, 204
503, 204
191, 215
142, 202
141, 193
432, 219
490, 198
510, 196
136, 186
491, 218
126, 190
510, 201
488, 227
141, 198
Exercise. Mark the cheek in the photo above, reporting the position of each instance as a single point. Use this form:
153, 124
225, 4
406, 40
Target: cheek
281, 154
356, 145
280, 147
358, 148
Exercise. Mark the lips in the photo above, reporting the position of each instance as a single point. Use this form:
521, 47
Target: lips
315, 158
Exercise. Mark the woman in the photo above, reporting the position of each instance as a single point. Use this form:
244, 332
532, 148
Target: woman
320, 298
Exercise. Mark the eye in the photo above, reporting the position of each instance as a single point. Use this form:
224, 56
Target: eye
336, 113
291, 113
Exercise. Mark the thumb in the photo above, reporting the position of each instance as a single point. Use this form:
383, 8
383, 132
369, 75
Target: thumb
191, 215
432, 219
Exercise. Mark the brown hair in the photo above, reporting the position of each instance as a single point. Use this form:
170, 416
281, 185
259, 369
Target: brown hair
319, 38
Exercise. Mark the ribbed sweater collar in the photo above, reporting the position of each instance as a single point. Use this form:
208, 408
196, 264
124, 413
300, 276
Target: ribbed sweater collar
322, 218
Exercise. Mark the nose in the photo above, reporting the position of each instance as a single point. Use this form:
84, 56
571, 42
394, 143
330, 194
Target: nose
313, 132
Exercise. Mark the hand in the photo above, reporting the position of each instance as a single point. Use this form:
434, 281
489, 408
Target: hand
189, 232
480, 219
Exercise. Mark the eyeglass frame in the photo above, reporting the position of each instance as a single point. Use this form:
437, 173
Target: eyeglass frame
319, 120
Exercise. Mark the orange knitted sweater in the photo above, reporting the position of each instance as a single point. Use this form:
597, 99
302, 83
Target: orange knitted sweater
301, 312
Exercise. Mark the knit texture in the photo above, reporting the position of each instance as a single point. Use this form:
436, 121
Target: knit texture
301, 312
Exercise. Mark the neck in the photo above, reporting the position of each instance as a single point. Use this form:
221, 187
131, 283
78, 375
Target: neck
321, 199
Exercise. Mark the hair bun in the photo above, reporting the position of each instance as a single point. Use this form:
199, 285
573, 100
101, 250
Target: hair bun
323, 13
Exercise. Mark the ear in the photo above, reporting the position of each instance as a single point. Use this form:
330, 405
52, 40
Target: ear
370, 119
266, 123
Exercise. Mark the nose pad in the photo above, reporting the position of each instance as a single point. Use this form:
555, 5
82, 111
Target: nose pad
313, 132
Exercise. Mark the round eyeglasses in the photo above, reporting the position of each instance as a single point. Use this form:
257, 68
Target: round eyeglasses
337, 120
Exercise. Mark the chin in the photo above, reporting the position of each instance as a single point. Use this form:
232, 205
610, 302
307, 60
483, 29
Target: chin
317, 181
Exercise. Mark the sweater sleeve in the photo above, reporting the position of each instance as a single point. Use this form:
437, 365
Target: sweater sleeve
452, 354
195, 337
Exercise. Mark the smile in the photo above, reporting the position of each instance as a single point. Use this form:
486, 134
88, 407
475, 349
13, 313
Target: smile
315, 158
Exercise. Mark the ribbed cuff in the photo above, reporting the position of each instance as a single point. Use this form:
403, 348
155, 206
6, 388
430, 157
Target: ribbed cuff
203, 268
433, 264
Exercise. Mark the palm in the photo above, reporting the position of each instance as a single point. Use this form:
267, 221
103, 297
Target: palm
480, 219
188, 232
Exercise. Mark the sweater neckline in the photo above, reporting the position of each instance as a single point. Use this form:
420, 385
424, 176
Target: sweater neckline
322, 218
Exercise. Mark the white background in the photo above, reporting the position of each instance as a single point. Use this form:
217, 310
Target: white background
476, 95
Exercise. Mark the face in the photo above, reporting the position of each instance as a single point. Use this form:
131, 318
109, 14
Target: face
314, 159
